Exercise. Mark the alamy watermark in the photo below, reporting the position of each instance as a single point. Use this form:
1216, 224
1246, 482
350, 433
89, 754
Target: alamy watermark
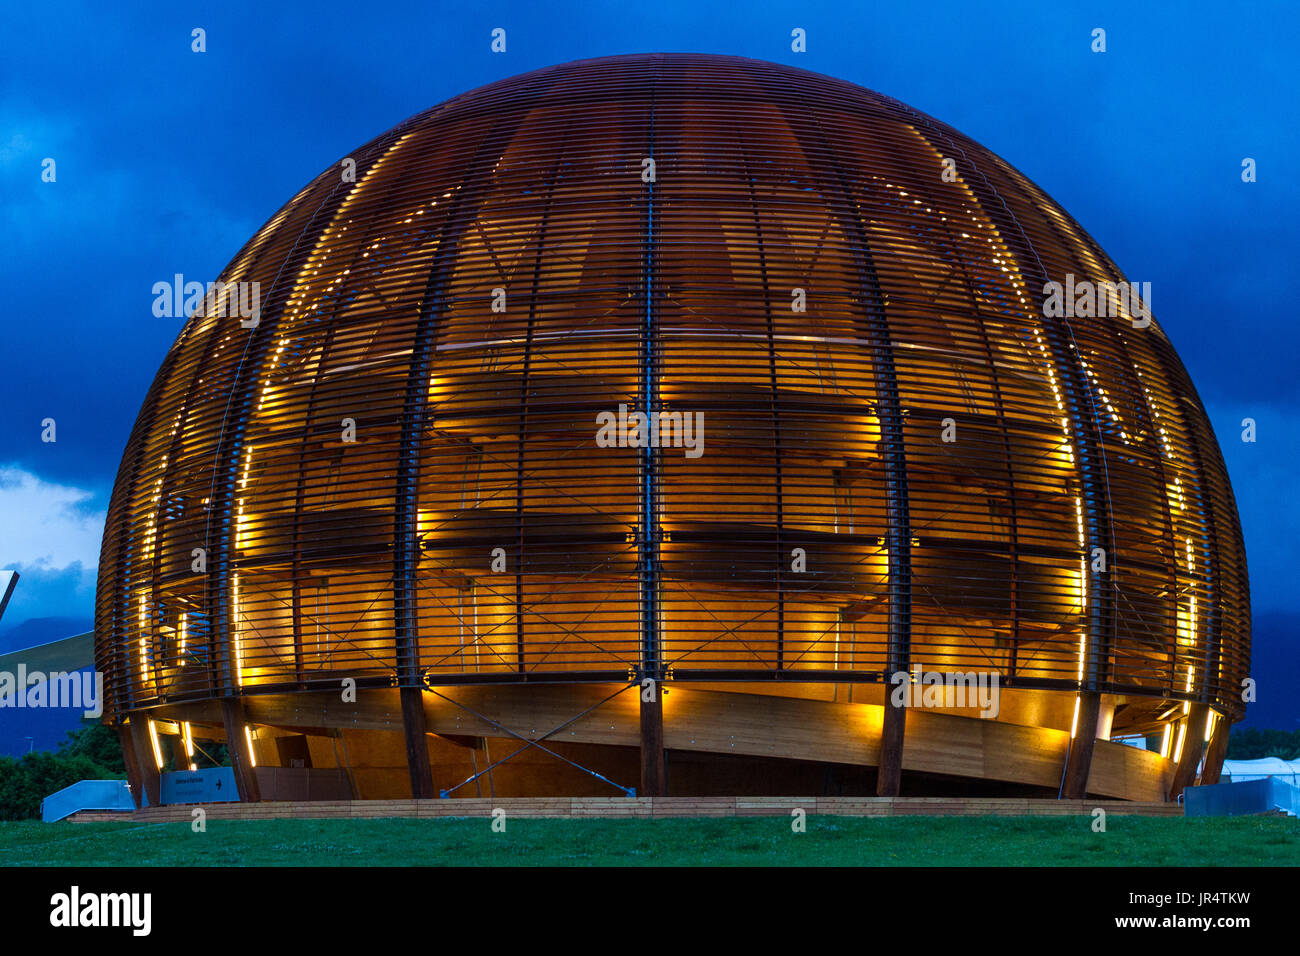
180, 299
1087, 299
75, 908
652, 430
944, 689
56, 689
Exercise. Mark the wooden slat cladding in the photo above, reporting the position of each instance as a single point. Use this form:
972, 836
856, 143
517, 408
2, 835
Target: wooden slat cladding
396, 473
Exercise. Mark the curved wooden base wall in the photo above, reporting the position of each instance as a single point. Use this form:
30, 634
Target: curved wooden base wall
704, 730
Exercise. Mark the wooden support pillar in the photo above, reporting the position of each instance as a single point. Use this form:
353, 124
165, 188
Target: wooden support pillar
415, 728
142, 745
1193, 738
653, 774
1216, 751
889, 775
1078, 762
241, 755
134, 778
179, 756
872, 322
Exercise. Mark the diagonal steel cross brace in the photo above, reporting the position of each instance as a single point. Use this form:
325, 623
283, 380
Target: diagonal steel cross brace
628, 791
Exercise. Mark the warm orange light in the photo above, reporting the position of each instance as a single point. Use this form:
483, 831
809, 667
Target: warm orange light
157, 750
144, 637
234, 629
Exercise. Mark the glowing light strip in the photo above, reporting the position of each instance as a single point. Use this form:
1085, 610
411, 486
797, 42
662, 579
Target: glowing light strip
236, 641
303, 291
157, 750
1083, 588
187, 737
1191, 624
144, 639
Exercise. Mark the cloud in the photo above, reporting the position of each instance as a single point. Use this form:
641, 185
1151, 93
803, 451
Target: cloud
46, 527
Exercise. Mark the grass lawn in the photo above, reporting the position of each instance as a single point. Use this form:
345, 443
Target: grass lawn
731, 841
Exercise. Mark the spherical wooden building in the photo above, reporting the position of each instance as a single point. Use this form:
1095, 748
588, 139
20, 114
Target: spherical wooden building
674, 424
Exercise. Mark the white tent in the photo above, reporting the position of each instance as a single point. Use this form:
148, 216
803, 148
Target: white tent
1235, 771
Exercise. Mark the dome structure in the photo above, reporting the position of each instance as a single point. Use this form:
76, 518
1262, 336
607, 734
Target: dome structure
653, 414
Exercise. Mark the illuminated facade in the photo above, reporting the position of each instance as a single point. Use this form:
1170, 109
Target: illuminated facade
418, 469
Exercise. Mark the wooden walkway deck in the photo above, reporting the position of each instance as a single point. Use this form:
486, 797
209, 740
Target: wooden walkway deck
639, 807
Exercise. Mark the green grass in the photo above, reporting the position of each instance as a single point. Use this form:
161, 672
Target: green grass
732, 841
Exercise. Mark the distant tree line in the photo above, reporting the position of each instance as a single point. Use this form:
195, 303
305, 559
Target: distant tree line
1253, 744
91, 753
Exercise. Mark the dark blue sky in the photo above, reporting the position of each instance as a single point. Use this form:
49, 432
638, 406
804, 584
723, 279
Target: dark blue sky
168, 160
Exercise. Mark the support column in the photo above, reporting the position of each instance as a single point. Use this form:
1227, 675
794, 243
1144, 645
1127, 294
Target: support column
1216, 751
653, 773
1193, 737
177, 744
889, 775
134, 778
147, 766
415, 729
649, 465
241, 756
1078, 761
873, 325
